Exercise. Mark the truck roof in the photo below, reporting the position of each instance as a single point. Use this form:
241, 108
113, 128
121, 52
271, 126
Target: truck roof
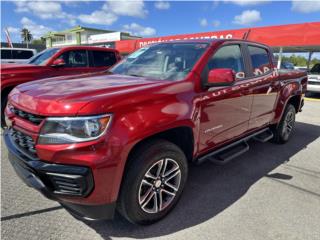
24, 49
210, 41
87, 48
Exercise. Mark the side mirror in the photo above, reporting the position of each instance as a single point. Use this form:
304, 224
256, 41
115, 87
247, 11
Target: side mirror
221, 77
58, 63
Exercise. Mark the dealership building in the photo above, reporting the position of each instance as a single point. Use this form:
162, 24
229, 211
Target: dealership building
85, 36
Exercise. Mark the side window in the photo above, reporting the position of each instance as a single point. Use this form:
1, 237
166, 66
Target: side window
76, 58
5, 54
260, 60
228, 57
103, 58
21, 54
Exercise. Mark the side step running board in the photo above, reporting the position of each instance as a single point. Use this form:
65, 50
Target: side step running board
264, 136
225, 154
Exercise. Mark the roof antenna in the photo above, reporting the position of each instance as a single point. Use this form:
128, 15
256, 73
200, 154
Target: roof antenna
246, 35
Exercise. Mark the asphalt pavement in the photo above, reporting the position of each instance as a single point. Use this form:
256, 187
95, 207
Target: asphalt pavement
270, 192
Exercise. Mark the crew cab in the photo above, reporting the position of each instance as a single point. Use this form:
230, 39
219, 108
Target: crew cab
124, 139
54, 62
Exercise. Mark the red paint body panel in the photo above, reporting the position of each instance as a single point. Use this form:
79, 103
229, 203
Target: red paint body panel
143, 107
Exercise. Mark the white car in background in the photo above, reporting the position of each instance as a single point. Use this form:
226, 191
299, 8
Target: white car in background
314, 79
16, 55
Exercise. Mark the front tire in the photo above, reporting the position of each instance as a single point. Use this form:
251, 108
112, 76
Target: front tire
153, 182
284, 129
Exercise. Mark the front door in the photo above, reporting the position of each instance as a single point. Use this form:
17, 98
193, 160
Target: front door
77, 62
225, 111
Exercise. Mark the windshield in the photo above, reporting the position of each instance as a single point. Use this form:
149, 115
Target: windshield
43, 57
315, 69
164, 61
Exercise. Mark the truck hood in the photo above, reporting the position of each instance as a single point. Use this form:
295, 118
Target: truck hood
67, 95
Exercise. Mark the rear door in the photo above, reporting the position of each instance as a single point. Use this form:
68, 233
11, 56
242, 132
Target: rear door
101, 60
225, 111
264, 85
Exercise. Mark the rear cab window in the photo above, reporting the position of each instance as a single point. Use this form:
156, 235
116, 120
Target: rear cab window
103, 58
261, 63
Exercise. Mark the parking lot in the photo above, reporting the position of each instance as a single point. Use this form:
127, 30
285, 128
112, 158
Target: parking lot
270, 192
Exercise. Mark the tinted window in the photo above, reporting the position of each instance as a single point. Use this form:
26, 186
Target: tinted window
260, 60
315, 69
103, 59
228, 57
5, 54
76, 58
21, 54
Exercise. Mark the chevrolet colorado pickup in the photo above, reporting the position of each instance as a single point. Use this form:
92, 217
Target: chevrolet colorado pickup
124, 139
54, 62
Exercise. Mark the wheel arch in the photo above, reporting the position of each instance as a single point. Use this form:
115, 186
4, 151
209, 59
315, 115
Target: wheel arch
290, 94
180, 132
181, 136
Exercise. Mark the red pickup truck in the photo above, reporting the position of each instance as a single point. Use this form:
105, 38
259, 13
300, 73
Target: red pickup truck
54, 62
125, 139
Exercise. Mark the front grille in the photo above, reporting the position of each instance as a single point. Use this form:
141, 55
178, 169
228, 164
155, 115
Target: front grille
313, 83
35, 119
24, 143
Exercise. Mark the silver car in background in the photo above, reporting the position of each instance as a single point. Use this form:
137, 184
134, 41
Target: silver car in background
314, 79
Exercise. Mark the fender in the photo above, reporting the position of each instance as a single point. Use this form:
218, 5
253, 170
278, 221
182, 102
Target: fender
136, 126
138, 116
289, 88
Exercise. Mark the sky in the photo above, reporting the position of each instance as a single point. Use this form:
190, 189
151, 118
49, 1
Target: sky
151, 18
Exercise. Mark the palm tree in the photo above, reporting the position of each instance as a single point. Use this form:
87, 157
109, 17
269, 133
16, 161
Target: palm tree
26, 36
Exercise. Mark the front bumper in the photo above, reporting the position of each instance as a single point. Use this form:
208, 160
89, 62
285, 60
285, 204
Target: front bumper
56, 181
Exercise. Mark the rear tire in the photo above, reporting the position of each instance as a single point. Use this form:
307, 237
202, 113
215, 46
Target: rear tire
283, 131
153, 182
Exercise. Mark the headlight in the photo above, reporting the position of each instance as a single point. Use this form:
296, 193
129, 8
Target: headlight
61, 130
